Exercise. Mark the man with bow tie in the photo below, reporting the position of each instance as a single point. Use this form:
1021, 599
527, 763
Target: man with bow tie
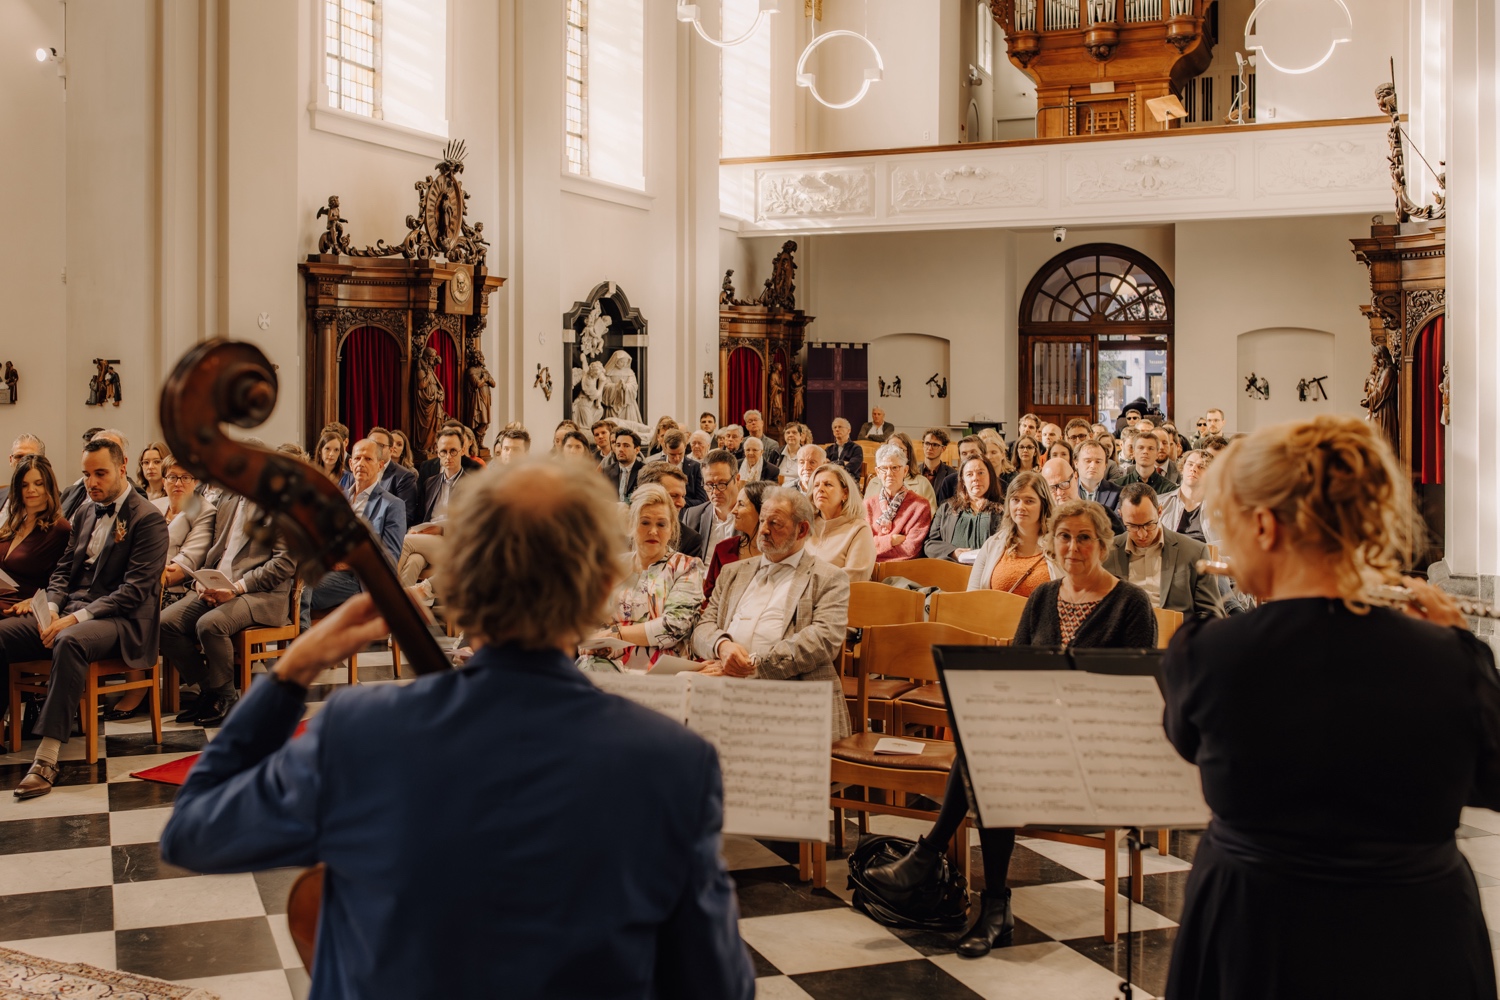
105, 595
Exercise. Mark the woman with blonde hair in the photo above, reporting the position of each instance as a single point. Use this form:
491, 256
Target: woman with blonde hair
656, 604
1012, 559
1337, 742
840, 534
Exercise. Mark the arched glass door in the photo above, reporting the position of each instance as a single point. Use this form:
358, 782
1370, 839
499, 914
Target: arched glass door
1096, 335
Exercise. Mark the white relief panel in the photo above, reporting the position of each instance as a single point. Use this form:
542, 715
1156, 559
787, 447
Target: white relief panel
1321, 165
809, 193
919, 187
1096, 177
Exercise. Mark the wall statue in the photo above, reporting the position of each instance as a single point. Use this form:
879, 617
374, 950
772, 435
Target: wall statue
104, 387
776, 404
621, 389
430, 397
588, 401
1380, 397
12, 380
480, 384
799, 393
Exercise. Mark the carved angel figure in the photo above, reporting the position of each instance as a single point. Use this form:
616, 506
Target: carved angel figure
595, 326
588, 401
430, 397
333, 240
621, 389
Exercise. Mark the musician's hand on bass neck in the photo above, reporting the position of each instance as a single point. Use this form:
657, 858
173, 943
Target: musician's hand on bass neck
351, 627
1433, 605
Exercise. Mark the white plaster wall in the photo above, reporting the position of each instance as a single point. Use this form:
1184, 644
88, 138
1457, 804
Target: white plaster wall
1282, 358
1295, 33
33, 121
913, 357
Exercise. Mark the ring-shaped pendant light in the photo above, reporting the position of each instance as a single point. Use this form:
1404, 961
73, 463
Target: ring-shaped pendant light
809, 81
1251, 41
689, 12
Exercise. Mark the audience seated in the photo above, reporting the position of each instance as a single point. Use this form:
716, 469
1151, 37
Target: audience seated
23, 445
899, 517
914, 482
1059, 450
430, 467
1165, 443
378, 508
732, 439
197, 632
708, 423
512, 445
746, 627
422, 545
700, 443
560, 432
743, 544
1076, 432
969, 446
1025, 454
1212, 425
622, 467
996, 450
1013, 560
1214, 444
713, 520
844, 451
575, 444
674, 481
604, 436
653, 443
1111, 447
1145, 451
932, 467
810, 458
967, 520
74, 496
1050, 435
1030, 425
190, 527
1092, 484
674, 453
1182, 509
401, 451
400, 481
106, 592
841, 536
757, 466
876, 429
755, 427
655, 605
1161, 562
793, 437
148, 470
33, 532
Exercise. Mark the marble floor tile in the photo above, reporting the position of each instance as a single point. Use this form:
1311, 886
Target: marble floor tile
64, 800
1029, 867
54, 833
46, 871
767, 892
779, 988
274, 885
136, 794
1484, 819
746, 852
186, 900
1489, 901
141, 744
198, 950
57, 913
285, 947
822, 940
1150, 956
895, 981
1066, 910
1089, 861
143, 863
97, 948
268, 985
138, 826
299, 981
1050, 970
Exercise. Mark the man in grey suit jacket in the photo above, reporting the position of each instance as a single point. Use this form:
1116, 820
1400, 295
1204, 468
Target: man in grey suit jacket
782, 615
261, 573
1136, 555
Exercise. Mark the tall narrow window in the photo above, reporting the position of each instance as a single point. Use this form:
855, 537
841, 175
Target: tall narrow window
575, 128
351, 50
984, 37
744, 84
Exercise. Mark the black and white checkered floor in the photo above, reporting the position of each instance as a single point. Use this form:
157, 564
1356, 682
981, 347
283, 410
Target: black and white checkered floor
81, 880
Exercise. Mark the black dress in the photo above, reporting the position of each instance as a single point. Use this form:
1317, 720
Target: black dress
1336, 751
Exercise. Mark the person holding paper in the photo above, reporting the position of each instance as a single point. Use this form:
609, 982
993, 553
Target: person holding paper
33, 533
246, 580
783, 614
23, 445
440, 849
968, 519
1337, 742
841, 536
105, 599
1085, 607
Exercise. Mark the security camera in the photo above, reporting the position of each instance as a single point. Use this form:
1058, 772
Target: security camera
1059, 234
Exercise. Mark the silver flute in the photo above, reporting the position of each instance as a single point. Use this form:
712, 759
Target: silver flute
1385, 595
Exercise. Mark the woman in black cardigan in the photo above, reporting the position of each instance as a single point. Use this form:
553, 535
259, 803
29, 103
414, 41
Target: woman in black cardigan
1086, 607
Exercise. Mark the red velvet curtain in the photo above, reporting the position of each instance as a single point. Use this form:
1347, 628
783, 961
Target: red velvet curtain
1427, 404
369, 381
746, 381
448, 370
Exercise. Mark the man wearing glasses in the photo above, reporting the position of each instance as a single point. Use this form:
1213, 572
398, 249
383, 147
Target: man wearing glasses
933, 468
1076, 433
1161, 562
714, 519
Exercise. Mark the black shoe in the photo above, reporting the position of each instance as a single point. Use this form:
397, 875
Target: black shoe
190, 712
995, 925
120, 715
897, 880
213, 716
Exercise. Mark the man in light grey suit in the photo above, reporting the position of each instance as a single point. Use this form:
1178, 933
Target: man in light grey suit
1159, 561
261, 573
781, 615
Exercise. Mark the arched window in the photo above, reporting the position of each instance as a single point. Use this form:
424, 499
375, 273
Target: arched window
1096, 335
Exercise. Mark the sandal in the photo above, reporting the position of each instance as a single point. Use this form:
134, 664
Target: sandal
38, 781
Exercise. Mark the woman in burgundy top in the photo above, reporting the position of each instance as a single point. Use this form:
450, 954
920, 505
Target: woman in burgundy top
741, 544
34, 533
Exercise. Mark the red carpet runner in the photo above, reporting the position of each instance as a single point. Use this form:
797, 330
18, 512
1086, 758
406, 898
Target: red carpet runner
176, 772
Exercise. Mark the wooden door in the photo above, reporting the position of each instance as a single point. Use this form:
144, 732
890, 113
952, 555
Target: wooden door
1057, 376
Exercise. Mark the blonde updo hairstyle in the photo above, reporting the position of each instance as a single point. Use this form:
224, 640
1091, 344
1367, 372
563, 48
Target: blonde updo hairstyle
1334, 485
653, 495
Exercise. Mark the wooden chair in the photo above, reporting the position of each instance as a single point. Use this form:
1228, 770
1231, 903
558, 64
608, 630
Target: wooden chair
30, 677
989, 612
939, 573
876, 604
868, 470
1167, 624
250, 646
318, 616
900, 651
1109, 841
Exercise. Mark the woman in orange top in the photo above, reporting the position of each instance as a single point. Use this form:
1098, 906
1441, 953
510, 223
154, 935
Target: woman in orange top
1012, 559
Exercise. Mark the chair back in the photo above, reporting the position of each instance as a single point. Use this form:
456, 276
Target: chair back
989, 612
1167, 623
906, 650
876, 604
296, 599
939, 573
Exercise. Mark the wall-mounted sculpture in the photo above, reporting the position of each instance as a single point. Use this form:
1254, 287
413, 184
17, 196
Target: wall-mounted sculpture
12, 381
1311, 388
543, 381
604, 358
1257, 387
104, 387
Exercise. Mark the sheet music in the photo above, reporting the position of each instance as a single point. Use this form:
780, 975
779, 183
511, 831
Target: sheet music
7, 585
1071, 748
772, 738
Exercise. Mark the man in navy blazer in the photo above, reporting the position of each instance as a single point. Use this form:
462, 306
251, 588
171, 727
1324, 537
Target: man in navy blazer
452, 871
845, 452
674, 452
385, 515
105, 596
398, 480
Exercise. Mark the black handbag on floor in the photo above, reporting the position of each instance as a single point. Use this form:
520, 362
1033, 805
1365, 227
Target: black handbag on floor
941, 905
